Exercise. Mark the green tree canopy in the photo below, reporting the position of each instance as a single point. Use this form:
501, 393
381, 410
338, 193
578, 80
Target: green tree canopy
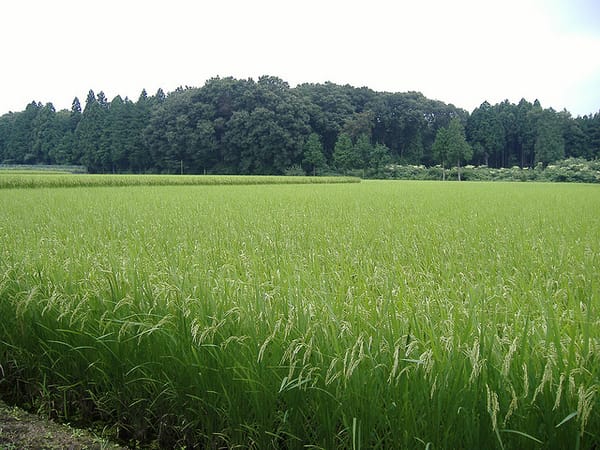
314, 159
345, 157
550, 143
450, 145
245, 126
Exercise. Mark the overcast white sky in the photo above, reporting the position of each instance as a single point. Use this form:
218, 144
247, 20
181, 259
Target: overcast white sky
458, 51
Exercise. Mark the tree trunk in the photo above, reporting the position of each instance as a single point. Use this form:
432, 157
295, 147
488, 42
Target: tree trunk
458, 168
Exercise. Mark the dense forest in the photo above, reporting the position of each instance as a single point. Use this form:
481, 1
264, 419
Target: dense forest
234, 126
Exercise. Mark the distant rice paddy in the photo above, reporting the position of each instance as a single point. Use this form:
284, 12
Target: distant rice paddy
33, 179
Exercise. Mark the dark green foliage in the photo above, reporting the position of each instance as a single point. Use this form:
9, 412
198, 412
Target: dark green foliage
46, 134
314, 159
379, 159
451, 147
233, 126
344, 156
486, 133
459, 150
93, 150
506, 135
441, 147
18, 141
330, 106
549, 144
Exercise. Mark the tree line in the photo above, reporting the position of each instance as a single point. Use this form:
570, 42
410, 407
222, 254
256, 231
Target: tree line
243, 126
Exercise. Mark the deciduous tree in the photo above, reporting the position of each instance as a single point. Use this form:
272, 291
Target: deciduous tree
451, 146
314, 159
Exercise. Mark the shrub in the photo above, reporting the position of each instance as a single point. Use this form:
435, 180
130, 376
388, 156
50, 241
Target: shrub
569, 170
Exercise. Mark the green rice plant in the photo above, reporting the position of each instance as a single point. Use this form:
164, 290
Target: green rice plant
370, 315
14, 180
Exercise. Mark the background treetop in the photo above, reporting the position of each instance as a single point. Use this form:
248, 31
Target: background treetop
243, 126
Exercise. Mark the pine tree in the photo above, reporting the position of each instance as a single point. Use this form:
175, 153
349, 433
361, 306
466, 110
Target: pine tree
549, 144
343, 153
92, 149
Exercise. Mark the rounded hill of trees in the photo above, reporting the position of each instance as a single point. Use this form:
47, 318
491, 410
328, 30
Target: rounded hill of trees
243, 126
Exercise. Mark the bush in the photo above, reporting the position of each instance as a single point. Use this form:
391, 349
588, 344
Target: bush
575, 170
295, 171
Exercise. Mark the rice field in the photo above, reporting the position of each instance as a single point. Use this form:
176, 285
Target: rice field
378, 314
14, 179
